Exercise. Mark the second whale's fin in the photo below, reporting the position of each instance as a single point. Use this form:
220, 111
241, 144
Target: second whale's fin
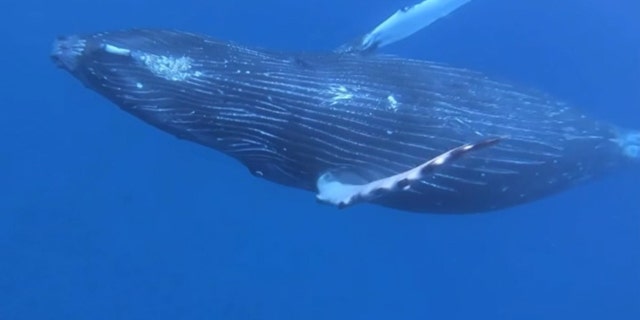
343, 194
402, 24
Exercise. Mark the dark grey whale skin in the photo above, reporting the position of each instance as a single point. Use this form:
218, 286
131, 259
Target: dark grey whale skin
290, 117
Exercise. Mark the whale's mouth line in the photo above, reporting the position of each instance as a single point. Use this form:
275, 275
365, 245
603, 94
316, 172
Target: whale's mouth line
67, 50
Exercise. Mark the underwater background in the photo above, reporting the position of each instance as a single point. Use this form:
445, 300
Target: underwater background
105, 217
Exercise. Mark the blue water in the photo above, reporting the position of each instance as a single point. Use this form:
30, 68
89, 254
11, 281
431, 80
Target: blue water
105, 217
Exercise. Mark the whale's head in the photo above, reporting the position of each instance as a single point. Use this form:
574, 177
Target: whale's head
176, 81
131, 65
194, 87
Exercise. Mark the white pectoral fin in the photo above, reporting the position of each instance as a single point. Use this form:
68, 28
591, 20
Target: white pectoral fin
333, 191
404, 23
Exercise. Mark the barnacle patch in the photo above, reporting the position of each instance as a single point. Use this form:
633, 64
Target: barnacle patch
170, 68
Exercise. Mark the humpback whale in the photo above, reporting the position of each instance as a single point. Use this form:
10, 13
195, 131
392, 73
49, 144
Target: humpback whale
353, 125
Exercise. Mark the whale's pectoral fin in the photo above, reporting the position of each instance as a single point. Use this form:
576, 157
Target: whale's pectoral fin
342, 194
402, 24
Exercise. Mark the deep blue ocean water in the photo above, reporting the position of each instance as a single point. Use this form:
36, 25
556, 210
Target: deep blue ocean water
105, 217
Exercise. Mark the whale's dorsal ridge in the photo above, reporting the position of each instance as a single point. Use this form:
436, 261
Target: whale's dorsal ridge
335, 191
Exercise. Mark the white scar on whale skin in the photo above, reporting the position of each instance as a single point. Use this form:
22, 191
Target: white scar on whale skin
406, 22
339, 93
109, 48
334, 192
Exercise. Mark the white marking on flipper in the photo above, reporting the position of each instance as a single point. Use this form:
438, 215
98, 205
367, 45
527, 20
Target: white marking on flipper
332, 191
404, 23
